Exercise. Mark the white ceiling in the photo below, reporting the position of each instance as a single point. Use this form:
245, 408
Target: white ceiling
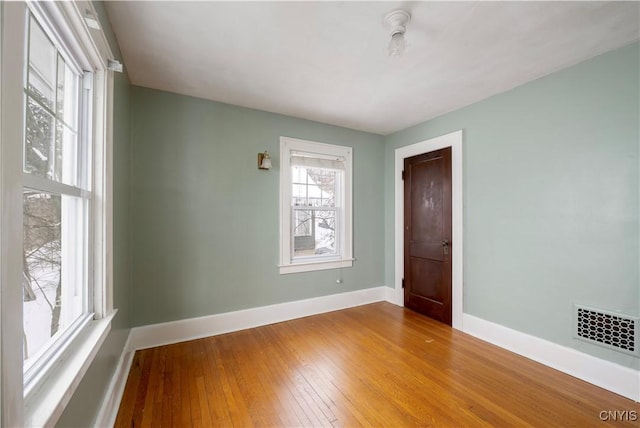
327, 61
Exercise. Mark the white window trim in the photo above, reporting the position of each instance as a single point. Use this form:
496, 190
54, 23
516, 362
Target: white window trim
47, 398
44, 405
11, 213
287, 265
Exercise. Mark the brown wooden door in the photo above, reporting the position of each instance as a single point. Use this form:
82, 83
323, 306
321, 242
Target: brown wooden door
427, 234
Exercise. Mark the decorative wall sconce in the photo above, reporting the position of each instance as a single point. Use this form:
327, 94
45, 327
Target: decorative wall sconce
264, 160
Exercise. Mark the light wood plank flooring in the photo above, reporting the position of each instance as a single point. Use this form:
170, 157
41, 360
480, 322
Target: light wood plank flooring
375, 365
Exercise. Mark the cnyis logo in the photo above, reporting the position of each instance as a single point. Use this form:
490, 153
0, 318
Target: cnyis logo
618, 415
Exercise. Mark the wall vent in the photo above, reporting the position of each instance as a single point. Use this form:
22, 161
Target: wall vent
609, 329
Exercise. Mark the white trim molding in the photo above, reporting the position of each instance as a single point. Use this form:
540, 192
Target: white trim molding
149, 336
605, 374
390, 295
111, 403
44, 405
11, 137
453, 140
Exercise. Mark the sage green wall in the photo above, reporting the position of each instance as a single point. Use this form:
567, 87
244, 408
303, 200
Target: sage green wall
85, 403
205, 219
550, 198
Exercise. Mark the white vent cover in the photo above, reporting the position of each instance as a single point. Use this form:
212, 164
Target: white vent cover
609, 329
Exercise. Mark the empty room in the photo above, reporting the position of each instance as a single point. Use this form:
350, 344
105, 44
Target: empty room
319, 213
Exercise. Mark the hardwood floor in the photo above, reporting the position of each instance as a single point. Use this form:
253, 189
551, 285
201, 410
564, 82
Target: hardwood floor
375, 365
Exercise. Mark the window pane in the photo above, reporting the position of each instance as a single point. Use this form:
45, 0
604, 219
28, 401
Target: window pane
51, 153
67, 95
39, 157
325, 227
314, 232
324, 179
42, 65
53, 272
45, 157
302, 223
66, 162
299, 174
315, 187
299, 193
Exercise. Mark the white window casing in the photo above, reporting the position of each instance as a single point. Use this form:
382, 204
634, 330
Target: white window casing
11, 136
326, 157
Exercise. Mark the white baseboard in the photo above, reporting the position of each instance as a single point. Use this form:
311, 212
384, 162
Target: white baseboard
149, 336
390, 295
109, 410
605, 374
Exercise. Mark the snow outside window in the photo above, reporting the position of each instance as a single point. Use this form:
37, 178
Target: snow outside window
315, 199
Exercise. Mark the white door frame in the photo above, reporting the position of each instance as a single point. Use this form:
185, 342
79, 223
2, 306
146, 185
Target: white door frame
453, 140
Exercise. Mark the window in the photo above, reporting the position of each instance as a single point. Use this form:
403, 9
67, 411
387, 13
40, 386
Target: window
315, 206
56, 167
56, 195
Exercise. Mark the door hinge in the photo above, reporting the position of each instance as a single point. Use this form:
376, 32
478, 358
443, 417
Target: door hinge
402, 282
403, 174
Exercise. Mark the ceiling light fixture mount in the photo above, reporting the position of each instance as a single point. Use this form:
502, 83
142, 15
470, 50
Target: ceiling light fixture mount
397, 20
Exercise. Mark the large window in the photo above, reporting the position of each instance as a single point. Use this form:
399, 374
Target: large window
56, 200
315, 197
57, 194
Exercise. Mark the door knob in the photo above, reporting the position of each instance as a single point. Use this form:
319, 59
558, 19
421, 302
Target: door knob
445, 246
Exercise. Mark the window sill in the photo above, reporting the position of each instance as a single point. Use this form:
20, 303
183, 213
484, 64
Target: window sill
315, 265
45, 403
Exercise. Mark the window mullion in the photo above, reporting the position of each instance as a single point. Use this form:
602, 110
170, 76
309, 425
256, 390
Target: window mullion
43, 106
42, 184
